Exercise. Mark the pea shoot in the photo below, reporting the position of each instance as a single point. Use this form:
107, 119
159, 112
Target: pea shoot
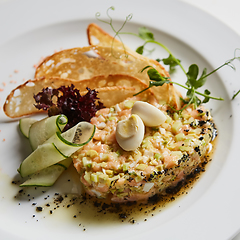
194, 81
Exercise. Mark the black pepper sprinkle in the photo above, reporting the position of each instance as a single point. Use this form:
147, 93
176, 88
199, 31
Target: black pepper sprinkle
130, 179
59, 199
201, 123
122, 215
150, 177
39, 209
197, 149
203, 131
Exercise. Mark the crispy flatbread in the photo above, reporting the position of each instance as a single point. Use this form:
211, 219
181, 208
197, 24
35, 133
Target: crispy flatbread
97, 36
112, 90
78, 64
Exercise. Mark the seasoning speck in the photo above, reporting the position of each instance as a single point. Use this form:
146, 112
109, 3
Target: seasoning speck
39, 209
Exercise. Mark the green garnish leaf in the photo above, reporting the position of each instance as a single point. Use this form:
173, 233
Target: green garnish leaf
171, 61
202, 79
145, 34
207, 98
192, 75
154, 75
139, 50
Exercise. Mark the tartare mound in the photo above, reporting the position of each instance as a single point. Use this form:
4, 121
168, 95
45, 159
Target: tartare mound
168, 153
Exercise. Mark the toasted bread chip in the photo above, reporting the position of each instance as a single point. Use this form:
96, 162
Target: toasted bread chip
97, 36
110, 96
81, 63
76, 64
112, 89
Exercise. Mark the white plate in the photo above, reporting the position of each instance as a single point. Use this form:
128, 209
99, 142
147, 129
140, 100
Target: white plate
32, 29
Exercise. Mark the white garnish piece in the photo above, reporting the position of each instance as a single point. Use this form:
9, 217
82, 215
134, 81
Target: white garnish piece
147, 187
150, 115
101, 125
117, 108
98, 194
130, 133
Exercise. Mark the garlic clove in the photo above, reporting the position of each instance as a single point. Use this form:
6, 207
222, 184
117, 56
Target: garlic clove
150, 115
130, 133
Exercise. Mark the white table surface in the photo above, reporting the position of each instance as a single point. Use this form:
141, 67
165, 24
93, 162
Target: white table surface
226, 11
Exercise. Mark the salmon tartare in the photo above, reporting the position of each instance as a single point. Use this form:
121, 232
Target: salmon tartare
167, 153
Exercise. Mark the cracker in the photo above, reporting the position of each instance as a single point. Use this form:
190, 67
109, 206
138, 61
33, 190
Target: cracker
97, 36
112, 89
78, 64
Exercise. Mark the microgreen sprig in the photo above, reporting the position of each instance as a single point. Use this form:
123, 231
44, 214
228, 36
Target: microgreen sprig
156, 79
110, 22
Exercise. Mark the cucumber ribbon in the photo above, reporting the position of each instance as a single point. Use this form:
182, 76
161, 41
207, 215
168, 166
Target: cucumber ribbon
58, 147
